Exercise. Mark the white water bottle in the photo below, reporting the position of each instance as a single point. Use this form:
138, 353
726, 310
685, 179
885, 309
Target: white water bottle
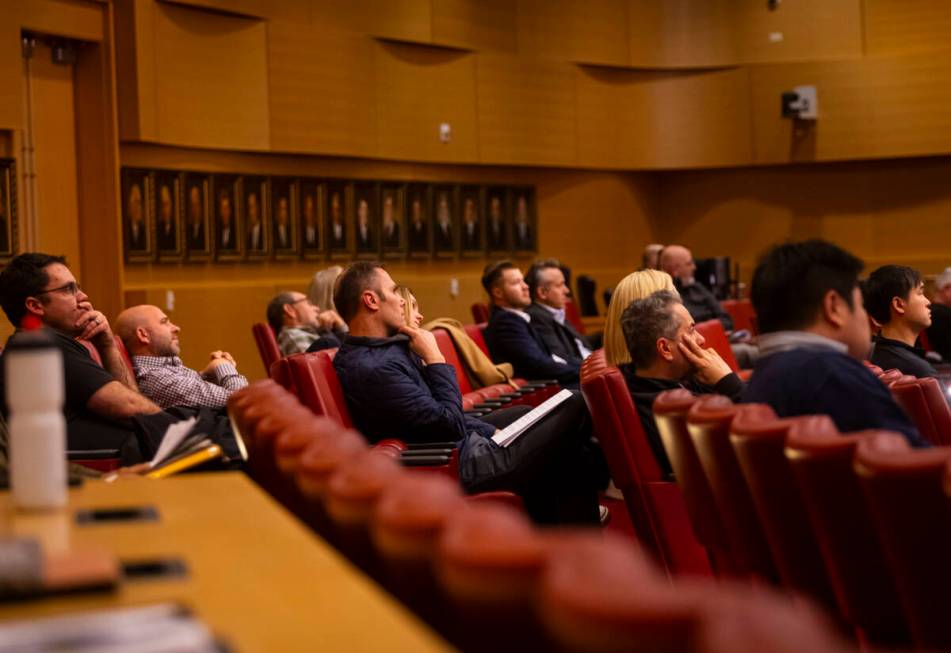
34, 387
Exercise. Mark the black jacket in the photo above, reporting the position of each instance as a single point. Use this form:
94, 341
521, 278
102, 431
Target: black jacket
702, 305
894, 354
560, 338
511, 339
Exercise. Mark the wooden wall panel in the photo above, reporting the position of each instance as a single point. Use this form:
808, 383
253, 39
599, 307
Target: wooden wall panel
403, 20
526, 110
299, 11
871, 108
417, 88
682, 33
211, 86
811, 30
615, 118
585, 31
321, 90
476, 24
906, 26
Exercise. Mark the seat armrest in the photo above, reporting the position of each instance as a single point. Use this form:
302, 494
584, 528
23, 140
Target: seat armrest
430, 445
424, 461
91, 454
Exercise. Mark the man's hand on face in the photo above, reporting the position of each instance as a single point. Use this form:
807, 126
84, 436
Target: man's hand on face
94, 327
424, 344
708, 367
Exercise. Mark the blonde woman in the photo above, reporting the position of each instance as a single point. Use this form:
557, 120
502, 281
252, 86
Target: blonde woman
321, 289
636, 285
413, 316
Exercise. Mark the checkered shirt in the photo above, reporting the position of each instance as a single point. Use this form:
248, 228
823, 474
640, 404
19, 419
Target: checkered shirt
166, 381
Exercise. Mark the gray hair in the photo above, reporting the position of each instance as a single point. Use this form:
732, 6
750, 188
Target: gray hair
943, 279
275, 310
646, 320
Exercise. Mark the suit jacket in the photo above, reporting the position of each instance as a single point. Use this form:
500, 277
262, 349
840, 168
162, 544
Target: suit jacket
511, 339
166, 240
196, 241
560, 338
392, 239
418, 238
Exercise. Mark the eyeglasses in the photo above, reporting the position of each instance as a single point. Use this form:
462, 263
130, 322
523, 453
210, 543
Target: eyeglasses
71, 288
302, 299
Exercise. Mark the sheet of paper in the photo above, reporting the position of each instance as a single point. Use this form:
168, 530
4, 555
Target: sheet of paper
510, 433
172, 438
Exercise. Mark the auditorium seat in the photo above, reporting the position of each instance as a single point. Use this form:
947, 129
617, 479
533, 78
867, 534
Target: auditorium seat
499, 392
909, 395
280, 371
480, 312
654, 503
821, 460
741, 310
873, 368
708, 422
937, 402
266, 340
587, 294
712, 331
124, 353
912, 516
573, 316
474, 331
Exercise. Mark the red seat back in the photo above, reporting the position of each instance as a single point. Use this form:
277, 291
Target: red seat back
93, 352
821, 460
266, 341
712, 331
741, 310
318, 387
937, 403
573, 315
125, 355
474, 331
448, 350
281, 372
480, 312
910, 397
903, 487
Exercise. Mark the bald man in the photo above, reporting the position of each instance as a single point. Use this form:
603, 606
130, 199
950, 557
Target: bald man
677, 261
152, 341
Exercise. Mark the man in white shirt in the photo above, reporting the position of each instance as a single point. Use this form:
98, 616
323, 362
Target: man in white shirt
549, 293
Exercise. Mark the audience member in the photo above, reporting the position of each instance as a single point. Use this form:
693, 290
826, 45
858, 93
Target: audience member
667, 353
152, 341
411, 312
321, 289
301, 326
939, 333
636, 285
895, 298
510, 335
397, 385
650, 259
815, 333
549, 294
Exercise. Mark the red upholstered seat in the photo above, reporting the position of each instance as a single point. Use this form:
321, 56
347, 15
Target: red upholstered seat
266, 341
890, 376
912, 516
318, 386
821, 460
712, 331
573, 315
938, 407
280, 371
909, 395
654, 503
477, 395
873, 368
480, 312
93, 352
124, 353
474, 331
741, 310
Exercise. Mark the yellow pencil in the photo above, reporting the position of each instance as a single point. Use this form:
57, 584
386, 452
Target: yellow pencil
203, 455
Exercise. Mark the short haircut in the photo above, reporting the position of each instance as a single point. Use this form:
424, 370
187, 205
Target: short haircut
790, 281
886, 283
492, 274
358, 276
646, 320
275, 309
24, 276
534, 274
943, 279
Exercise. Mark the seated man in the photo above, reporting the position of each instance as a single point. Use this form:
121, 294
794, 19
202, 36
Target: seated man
301, 326
152, 341
667, 353
510, 335
549, 293
939, 333
814, 335
895, 298
397, 385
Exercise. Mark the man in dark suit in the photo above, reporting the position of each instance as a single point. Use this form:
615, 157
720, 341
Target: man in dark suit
418, 229
167, 229
549, 293
196, 220
226, 236
511, 334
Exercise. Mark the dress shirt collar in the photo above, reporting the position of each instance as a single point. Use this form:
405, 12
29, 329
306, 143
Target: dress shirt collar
157, 361
557, 313
771, 343
522, 314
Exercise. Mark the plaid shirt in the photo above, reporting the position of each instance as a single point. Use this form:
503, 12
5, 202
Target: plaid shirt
166, 381
293, 340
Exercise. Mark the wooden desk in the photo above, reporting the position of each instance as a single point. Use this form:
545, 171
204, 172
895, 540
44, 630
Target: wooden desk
258, 578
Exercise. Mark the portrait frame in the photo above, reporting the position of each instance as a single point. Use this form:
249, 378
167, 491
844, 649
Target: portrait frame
315, 190
338, 249
445, 245
257, 187
137, 242
471, 244
227, 187
500, 243
169, 245
369, 192
393, 245
199, 243
8, 210
284, 189
419, 246
529, 245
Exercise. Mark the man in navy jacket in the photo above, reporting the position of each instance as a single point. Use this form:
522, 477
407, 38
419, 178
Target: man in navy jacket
397, 385
510, 336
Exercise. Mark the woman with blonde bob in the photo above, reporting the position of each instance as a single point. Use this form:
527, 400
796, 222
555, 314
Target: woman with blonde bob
320, 292
411, 310
636, 285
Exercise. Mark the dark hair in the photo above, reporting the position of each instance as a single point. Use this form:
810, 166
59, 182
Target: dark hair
275, 310
492, 273
24, 276
790, 281
644, 321
351, 283
886, 283
533, 276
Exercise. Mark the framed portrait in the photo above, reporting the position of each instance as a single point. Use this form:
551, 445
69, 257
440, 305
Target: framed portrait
393, 219
254, 212
445, 223
498, 220
525, 224
283, 205
136, 215
8, 204
198, 236
167, 210
337, 211
471, 240
366, 226
228, 234
309, 210
419, 210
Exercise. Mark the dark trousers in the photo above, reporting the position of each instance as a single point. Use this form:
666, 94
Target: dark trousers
554, 466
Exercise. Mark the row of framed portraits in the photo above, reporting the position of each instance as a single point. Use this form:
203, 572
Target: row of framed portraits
170, 215
8, 214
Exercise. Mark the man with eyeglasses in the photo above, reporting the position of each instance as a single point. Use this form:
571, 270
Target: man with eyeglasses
301, 326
